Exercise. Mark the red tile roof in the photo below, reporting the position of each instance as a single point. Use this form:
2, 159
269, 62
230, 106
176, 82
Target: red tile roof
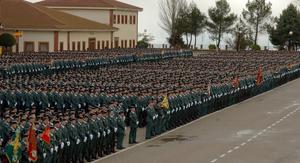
89, 3
19, 14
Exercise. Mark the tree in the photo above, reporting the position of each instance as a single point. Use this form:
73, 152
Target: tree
258, 15
240, 36
221, 20
7, 40
145, 40
169, 13
198, 21
191, 22
288, 21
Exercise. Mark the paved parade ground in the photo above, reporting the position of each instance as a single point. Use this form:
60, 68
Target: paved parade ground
264, 129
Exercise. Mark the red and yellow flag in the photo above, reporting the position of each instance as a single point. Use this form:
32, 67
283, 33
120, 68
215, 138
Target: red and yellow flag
259, 77
46, 135
32, 147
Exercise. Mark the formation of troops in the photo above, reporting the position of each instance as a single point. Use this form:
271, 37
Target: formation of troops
79, 105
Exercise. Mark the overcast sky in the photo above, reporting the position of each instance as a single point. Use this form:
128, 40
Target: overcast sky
149, 17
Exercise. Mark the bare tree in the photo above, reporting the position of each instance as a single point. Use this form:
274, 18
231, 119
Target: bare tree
169, 12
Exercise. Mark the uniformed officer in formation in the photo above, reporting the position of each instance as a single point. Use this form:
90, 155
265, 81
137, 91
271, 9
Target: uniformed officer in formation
88, 102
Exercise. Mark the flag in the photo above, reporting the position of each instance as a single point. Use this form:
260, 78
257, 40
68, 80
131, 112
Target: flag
235, 82
13, 149
165, 103
1, 51
46, 135
32, 147
209, 89
259, 77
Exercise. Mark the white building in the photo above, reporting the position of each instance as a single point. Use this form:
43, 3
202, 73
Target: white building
110, 12
47, 29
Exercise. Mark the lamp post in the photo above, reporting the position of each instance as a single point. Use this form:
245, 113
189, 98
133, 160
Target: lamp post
290, 40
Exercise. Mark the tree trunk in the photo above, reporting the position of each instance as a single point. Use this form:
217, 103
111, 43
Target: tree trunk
256, 30
186, 38
191, 38
195, 41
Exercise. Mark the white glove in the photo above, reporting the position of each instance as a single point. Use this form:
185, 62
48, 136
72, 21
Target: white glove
143, 109
85, 138
56, 148
137, 123
104, 133
68, 143
44, 155
98, 134
116, 129
153, 117
78, 141
62, 145
51, 150
48, 105
91, 136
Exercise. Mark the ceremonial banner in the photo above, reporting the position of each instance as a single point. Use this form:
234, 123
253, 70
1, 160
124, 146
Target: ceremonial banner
165, 103
46, 135
13, 149
259, 77
32, 148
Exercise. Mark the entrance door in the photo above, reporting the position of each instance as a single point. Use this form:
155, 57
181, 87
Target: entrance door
92, 43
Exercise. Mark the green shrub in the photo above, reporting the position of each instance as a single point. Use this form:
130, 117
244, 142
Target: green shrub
212, 47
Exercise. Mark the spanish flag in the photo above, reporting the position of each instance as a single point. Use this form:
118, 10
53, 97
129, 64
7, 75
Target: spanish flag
32, 147
13, 149
259, 77
165, 103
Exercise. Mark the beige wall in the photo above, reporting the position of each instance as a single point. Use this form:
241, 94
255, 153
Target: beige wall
126, 31
63, 37
84, 36
36, 37
101, 16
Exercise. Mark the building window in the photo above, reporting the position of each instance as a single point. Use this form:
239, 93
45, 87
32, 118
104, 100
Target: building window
122, 44
133, 43
130, 19
115, 19
130, 44
73, 46
61, 46
125, 43
122, 19
126, 17
103, 44
28, 46
78, 46
107, 44
118, 19
98, 45
83, 46
133, 19
43, 47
